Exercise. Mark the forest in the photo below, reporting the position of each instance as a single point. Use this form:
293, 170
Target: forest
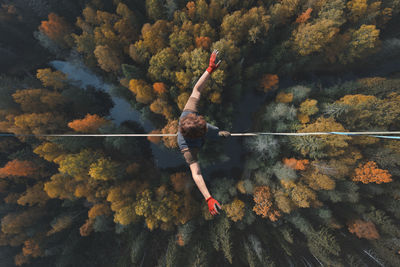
317, 66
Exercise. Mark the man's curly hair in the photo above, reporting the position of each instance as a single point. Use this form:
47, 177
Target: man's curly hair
193, 126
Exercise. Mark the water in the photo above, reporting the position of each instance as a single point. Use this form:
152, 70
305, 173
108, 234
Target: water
81, 76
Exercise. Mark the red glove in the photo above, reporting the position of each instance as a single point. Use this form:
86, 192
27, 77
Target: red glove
212, 205
213, 66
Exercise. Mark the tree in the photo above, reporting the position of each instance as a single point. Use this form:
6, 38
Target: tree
60, 186
363, 229
302, 196
227, 50
159, 88
34, 195
332, 145
105, 169
122, 198
313, 37
282, 11
180, 40
107, 58
170, 128
57, 29
182, 100
39, 100
364, 41
269, 82
14, 223
309, 107
155, 37
203, 42
162, 65
138, 52
235, 210
78, 165
31, 247
263, 203
284, 172
304, 16
50, 151
241, 26
55, 79
154, 139
18, 168
87, 228
127, 26
299, 165
221, 238
318, 181
284, 98
143, 91
358, 8
160, 106
264, 146
324, 246
155, 9
60, 223
283, 201
89, 124
181, 181
370, 173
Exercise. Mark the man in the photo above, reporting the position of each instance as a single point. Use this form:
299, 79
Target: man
193, 130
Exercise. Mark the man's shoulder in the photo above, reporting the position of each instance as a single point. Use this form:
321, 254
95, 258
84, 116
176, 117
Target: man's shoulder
186, 112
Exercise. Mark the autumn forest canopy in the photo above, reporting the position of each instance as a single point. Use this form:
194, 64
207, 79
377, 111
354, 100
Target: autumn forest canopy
294, 201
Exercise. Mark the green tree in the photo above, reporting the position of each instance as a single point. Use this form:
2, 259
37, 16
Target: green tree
143, 91
282, 11
243, 26
221, 237
77, 165
107, 58
364, 41
55, 79
162, 65
39, 100
155, 9
105, 169
313, 37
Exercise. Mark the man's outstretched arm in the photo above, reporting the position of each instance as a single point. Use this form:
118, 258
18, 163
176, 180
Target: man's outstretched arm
200, 84
198, 179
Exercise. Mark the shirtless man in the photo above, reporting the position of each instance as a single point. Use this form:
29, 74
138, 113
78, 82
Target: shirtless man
193, 130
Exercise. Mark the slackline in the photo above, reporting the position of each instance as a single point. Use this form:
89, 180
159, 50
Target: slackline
370, 134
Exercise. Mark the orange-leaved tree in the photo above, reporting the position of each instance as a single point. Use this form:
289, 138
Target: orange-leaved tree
154, 139
56, 28
181, 181
370, 173
89, 124
284, 98
296, 164
264, 205
304, 16
159, 88
363, 229
18, 168
269, 82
